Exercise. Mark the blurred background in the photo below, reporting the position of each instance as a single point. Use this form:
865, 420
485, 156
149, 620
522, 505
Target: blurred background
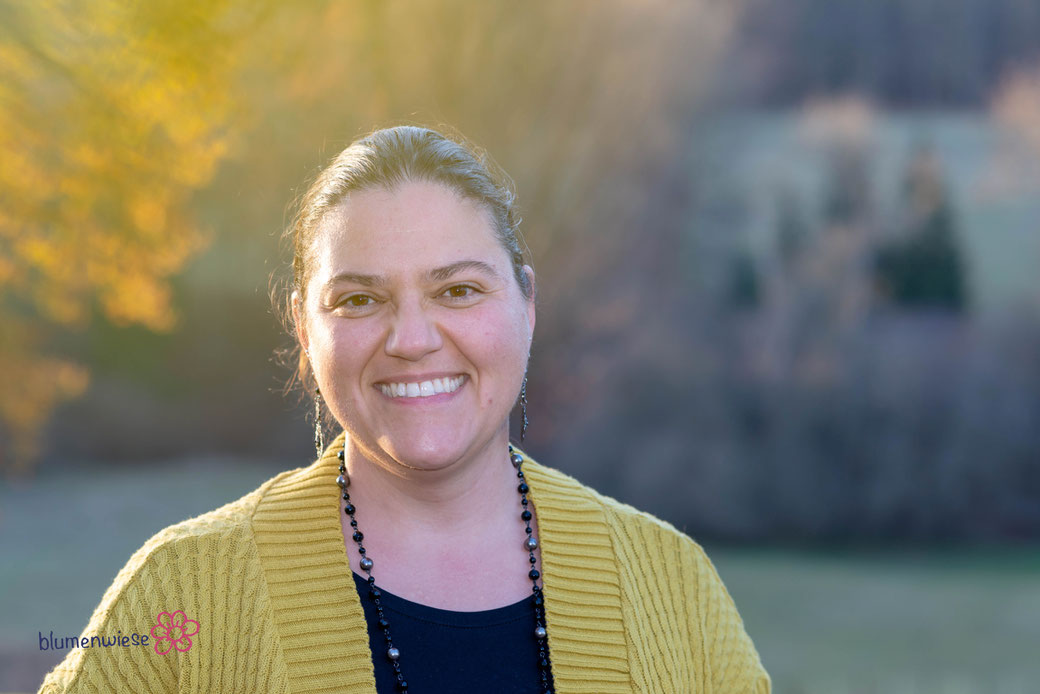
789, 297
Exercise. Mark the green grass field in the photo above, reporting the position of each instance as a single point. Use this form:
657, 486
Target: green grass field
922, 622
897, 621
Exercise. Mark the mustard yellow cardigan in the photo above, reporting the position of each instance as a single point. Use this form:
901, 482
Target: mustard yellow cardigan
632, 604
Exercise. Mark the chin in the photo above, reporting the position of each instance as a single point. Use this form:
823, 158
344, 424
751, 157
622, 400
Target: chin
425, 454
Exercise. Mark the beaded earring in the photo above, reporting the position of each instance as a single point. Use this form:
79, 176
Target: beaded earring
523, 408
319, 433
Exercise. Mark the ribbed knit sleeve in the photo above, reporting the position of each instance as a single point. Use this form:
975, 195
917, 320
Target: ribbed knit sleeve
684, 631
206, 570
683, 625
632, 603
733, 662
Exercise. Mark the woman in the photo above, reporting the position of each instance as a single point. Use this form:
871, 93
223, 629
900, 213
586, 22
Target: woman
414, 310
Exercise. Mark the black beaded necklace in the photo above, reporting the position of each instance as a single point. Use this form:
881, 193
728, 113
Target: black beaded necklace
530, 544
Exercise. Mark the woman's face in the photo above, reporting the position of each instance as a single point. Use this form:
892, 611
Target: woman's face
417, 331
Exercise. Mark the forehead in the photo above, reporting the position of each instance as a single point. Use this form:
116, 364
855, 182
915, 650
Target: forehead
413, 226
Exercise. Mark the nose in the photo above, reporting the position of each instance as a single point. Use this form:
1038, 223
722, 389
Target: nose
413, 333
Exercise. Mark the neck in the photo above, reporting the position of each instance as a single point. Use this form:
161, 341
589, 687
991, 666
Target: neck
461, 498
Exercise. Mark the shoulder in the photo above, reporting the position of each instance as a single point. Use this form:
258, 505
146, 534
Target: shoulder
221, 535
669, 592
169, 565
631, 529
177, 568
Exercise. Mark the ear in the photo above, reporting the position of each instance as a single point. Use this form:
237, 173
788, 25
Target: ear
298, 322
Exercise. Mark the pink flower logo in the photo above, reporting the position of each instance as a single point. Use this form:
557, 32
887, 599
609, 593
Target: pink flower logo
173, 631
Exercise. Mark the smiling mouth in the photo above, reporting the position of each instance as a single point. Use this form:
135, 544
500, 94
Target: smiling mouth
422, 389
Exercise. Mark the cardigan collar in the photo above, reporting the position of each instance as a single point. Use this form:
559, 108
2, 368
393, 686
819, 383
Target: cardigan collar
317, 610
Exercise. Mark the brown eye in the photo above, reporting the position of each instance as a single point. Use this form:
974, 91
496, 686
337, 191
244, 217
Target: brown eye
356, 301
460, 292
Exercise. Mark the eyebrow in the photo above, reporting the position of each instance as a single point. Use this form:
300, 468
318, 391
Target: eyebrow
437, 274
442, 273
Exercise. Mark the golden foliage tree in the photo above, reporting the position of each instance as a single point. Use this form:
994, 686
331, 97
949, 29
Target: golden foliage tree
111, 115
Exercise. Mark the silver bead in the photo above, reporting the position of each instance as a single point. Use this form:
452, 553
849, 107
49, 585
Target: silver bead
516, 459
366, 564
393, 654
530, 544
343, 481
540, 633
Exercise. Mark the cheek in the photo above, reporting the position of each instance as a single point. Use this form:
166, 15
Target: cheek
345, 347
494, 336
496, 343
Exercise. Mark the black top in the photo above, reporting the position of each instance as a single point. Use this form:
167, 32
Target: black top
446, 652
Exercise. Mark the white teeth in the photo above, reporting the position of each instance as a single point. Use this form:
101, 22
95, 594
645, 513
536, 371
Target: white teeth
422, 390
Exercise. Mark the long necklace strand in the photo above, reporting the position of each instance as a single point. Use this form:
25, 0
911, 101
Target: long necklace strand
393, 654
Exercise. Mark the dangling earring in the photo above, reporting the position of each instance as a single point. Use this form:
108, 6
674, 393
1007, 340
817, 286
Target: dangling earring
319, 433
523, 408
